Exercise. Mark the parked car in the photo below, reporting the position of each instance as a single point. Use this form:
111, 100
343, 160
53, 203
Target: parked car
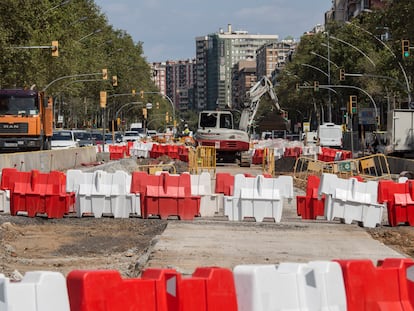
151, 133
97, 137
84, 138
131, 136
109, 138
64, 139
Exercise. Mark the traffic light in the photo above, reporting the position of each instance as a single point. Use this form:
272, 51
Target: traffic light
378, 120
133, 92
114, 81
55, 48
341, 74
166, 117
144, 112
141, 93
104, 74
352, 108
102, 99
405, 46
118, 121
158, 105
316, 86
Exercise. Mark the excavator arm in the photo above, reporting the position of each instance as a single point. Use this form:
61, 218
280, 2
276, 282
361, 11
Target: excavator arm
262, 87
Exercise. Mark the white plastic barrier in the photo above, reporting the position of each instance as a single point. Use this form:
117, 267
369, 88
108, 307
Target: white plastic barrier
259, 197
351, 200
4, 200
317, 285
210, 203
100, 193
37, 291
141, 149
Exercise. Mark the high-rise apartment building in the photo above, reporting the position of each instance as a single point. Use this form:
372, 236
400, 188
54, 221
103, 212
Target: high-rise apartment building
345, 10
159, 76
220, 52
175, 79
272, 57
180, 82
200, 80
243, 78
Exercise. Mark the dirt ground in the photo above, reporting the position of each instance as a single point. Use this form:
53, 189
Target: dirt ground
63, 245
28, 244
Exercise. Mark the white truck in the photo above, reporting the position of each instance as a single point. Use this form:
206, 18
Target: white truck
400, 136
330, 135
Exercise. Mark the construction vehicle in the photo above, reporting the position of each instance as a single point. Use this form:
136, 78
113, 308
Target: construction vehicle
216, 128
26, 120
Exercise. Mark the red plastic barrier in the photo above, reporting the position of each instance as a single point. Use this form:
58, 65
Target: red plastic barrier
331, 154
38, 193
172, 151
383, 287
308, 206
8, 178
399, 199
106, 290
258, 156
116, 152
165, 195
183, 153
293, 152
224, 183
207, 289
156, 151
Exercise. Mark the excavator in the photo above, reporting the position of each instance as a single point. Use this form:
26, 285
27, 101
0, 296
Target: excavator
216, 128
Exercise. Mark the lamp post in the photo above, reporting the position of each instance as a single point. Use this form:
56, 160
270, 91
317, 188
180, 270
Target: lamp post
393, 54
171, 102
90, 34
62, 3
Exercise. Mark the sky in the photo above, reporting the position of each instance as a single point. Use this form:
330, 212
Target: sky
168, 28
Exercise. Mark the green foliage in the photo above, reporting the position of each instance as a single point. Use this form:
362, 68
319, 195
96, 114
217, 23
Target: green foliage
379, 62
87, 44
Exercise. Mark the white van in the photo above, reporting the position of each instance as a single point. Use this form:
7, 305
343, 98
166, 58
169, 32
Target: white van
330, 135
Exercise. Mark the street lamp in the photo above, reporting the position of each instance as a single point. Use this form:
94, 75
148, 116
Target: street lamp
392, 53
56, 6
91, 34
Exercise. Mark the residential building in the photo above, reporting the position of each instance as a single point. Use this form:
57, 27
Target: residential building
272, 57
200, 80
243, 78
159, 76
345, 10
220, 52
180, 82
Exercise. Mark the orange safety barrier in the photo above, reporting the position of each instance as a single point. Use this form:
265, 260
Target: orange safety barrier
38, 193
166, 195
172, 151
224, 183
117, 152
294, 152
183, 154
382, 287
258, 156
308, 206
207, 289
331, 154
399, 199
